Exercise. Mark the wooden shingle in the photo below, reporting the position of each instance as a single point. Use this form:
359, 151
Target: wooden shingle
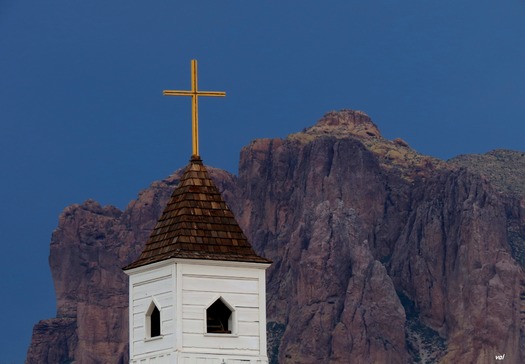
197, 224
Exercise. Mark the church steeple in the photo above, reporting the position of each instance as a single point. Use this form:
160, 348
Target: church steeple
197, 293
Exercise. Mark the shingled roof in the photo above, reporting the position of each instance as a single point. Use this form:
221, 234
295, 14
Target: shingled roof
197, 224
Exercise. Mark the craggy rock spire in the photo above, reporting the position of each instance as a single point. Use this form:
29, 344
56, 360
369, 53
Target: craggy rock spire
380, 254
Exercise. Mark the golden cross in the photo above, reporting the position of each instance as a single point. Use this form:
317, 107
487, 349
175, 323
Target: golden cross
194, 93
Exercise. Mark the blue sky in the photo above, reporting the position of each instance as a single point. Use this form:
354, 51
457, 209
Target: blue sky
82, 113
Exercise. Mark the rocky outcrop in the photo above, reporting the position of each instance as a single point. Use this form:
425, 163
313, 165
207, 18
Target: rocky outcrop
505, 169
90, 289
380, 255
325, 284
332, 209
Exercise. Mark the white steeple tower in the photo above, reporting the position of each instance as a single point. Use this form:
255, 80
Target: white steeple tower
197, 293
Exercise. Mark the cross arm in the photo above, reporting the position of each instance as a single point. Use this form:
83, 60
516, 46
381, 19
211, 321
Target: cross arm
192, 93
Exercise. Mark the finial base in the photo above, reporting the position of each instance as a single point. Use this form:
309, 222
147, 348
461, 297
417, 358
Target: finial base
195, 159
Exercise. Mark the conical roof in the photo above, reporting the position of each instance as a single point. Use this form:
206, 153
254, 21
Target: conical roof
197, 224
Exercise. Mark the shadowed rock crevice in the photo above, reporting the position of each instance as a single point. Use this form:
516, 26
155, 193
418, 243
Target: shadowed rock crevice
275, 333
424, 344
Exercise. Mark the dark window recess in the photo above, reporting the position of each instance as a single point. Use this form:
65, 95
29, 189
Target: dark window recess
218, 318
155, 322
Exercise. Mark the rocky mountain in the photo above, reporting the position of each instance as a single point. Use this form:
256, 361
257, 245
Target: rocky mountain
505, 169
381, 255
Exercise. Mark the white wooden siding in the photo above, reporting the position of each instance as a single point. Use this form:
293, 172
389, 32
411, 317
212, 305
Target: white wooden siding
220, 284
240, 288
201, 359
182, 291
218, 345
161, 358
154, 285
213, 271
205, 298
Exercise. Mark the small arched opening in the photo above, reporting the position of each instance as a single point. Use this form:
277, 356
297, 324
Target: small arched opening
219, 318
153, 321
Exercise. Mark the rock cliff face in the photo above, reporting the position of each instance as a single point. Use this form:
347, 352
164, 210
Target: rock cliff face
381, 255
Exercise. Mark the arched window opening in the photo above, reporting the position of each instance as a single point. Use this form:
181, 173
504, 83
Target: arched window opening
219, 318
153, 322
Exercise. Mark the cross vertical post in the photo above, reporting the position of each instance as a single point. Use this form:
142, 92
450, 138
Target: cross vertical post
195, 94
194, 110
